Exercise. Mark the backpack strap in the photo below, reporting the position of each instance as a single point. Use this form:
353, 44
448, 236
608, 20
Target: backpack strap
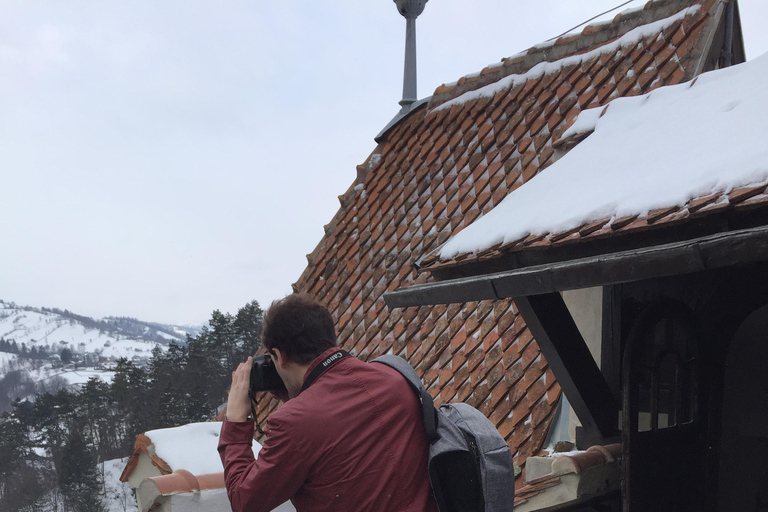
427, 404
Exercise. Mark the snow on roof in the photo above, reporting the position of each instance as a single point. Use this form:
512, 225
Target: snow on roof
191, 447
543, 68
607, 17
659, 150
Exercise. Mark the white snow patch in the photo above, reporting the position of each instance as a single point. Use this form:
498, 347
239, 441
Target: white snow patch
607, 17
6, 357
544, 68
566, 454
585, 123
646, 152
119, 496
191, 447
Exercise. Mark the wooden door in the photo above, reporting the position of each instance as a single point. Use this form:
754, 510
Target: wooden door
743, 472
663, 468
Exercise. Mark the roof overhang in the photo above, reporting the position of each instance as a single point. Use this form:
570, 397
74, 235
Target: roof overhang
704, 253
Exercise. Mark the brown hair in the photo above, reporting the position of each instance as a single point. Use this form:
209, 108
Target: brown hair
300, 327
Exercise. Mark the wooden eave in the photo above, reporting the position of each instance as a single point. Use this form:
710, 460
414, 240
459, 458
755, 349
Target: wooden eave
693, 255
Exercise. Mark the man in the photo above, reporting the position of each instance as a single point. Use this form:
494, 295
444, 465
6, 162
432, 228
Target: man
350, 436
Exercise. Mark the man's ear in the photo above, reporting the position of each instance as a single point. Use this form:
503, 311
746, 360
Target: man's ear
279, 358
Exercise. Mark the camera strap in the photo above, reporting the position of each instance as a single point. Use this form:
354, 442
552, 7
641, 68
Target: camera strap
323, 366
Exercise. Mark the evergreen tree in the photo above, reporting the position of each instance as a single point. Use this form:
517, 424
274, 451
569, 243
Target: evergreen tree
25, 478
248, 325
96, 408
66, 355
197, 405
172, 408
12, 453
53, 418
79, 480
132, 395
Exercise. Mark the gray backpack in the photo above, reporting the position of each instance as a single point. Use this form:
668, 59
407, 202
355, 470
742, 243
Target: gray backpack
470, 464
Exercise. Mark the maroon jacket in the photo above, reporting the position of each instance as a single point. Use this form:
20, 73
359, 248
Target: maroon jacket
353, 441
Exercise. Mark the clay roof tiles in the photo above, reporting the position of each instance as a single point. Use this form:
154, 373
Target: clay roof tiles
442, 167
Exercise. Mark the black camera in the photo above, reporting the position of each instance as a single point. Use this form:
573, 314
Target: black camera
264, 376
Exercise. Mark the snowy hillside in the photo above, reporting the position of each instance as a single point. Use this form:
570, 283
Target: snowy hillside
47, 349
111, 338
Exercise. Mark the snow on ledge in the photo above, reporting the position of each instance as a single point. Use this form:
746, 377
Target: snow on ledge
654, 151
192, 447
544, 68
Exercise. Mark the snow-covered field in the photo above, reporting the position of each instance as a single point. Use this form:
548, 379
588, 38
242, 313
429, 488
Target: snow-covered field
80, 376
119, 496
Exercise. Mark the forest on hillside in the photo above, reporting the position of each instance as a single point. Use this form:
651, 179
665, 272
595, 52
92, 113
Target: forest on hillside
50, 446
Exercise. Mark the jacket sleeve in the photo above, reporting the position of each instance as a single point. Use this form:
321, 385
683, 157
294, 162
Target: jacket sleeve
263, 483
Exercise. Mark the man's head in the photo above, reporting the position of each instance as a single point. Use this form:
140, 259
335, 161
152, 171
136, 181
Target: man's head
299, 327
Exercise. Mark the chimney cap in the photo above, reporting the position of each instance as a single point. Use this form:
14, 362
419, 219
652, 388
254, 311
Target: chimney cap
410, 9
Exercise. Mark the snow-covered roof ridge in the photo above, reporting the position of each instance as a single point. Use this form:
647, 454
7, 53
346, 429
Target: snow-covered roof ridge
627, 28
646, 154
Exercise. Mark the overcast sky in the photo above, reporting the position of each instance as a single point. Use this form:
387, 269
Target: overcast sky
162, 159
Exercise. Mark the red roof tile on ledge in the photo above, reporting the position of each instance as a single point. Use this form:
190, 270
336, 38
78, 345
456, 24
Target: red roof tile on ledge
434, 173
566, 464
594, 456
141, 445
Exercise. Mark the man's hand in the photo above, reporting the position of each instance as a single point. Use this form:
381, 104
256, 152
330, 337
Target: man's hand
239, 404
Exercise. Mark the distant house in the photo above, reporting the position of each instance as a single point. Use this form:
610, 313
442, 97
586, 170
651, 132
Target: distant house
55, 360
173, 469
454, 157
90, 359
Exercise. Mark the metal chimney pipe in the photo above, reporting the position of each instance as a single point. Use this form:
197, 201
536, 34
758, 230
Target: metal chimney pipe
410, 10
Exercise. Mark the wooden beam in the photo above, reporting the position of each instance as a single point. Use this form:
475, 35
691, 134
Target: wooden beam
567, 354
610, 353
704, 253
